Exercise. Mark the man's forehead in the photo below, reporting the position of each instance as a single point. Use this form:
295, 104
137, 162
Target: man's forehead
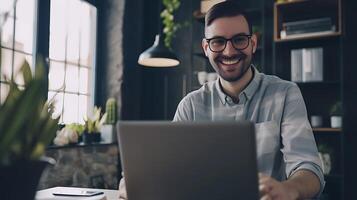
227, 26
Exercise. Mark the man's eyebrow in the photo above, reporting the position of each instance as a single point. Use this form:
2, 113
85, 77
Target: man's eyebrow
219, 36
215, 36
242, 33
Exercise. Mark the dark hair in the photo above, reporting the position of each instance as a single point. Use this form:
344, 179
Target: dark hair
226, 9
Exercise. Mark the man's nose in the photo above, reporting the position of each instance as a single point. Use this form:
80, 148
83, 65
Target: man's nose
229, 50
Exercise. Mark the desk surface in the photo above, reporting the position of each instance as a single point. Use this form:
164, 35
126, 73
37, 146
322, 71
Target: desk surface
47, 194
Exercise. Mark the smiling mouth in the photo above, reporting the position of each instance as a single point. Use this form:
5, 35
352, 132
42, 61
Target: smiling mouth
231, 60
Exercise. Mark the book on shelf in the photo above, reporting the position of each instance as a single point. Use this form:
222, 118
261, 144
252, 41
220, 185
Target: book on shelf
307, 65
306, 24
296, 63
310, 30
305, 35
297, 28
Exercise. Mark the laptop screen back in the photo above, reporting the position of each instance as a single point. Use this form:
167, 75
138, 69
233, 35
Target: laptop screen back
188, 160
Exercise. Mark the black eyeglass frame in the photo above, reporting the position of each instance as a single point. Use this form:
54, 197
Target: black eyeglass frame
226, 40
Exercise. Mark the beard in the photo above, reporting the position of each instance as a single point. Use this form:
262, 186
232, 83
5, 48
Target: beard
239, 72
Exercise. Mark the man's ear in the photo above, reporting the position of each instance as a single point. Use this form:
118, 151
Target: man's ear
254, 40
205, 46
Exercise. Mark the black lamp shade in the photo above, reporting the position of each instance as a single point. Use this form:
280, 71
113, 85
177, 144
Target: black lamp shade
158, 55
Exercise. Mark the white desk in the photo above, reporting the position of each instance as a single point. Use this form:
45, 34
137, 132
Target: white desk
47, 194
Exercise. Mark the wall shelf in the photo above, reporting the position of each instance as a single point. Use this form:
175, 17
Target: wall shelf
327, 129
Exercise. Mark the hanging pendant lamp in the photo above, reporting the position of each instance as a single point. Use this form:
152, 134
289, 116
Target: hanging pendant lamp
158, 55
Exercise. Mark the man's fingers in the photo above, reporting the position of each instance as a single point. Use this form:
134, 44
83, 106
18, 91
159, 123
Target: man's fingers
266, 185
267, 181
264, 189
261, 175
266, 197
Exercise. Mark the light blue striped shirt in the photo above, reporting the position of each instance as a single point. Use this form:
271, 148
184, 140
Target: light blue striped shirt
285, 142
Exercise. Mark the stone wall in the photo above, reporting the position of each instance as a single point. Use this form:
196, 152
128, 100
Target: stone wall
94, 166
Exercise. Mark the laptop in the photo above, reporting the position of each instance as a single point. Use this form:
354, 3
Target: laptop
188, 160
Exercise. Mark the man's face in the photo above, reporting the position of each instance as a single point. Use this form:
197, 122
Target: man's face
231, 64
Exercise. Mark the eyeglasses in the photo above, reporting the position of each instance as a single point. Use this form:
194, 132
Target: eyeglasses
218, 44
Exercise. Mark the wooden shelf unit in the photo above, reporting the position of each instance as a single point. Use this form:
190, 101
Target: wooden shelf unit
289, 11
319, 96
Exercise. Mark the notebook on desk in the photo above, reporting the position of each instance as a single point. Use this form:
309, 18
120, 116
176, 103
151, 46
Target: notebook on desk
72, 193
188, 160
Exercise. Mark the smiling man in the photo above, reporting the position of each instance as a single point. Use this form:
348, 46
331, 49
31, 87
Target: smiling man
287, 156
288, 160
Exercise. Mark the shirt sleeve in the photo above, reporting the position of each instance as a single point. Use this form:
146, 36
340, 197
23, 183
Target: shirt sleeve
299, 146
184, 111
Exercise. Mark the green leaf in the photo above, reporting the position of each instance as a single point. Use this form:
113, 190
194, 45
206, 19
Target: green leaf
26, 72
25, 119
27, 104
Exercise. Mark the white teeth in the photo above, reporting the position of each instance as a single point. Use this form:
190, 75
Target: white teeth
230, 61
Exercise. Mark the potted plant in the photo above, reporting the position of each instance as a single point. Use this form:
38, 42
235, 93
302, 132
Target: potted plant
336, 115
26, 128
108, 128
325, 154
167, 16
69, 134
92, 126
78, 129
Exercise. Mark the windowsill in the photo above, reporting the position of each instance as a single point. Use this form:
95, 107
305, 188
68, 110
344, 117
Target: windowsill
81, 144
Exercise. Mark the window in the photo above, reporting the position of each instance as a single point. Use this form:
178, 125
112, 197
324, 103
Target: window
71, 51
17, 34
71, 72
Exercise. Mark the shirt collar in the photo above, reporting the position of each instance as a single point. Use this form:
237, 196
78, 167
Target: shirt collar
248, 92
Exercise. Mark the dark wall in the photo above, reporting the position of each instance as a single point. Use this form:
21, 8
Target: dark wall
109, 66
349, 98
151, 93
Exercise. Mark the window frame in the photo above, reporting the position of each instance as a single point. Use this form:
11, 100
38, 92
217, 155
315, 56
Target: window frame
41, 44
13, 49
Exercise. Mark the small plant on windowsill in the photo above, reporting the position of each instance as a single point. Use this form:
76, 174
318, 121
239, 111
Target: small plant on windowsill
70, 134
108, 129
92, 126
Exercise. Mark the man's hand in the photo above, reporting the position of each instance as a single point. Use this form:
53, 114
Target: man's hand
303, 184
271, 189
122, 188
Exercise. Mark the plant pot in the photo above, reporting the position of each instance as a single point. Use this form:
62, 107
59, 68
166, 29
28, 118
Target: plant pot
108, 132
326, 162
80, 138
336, 121
89, 138
19, 180
316, 121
